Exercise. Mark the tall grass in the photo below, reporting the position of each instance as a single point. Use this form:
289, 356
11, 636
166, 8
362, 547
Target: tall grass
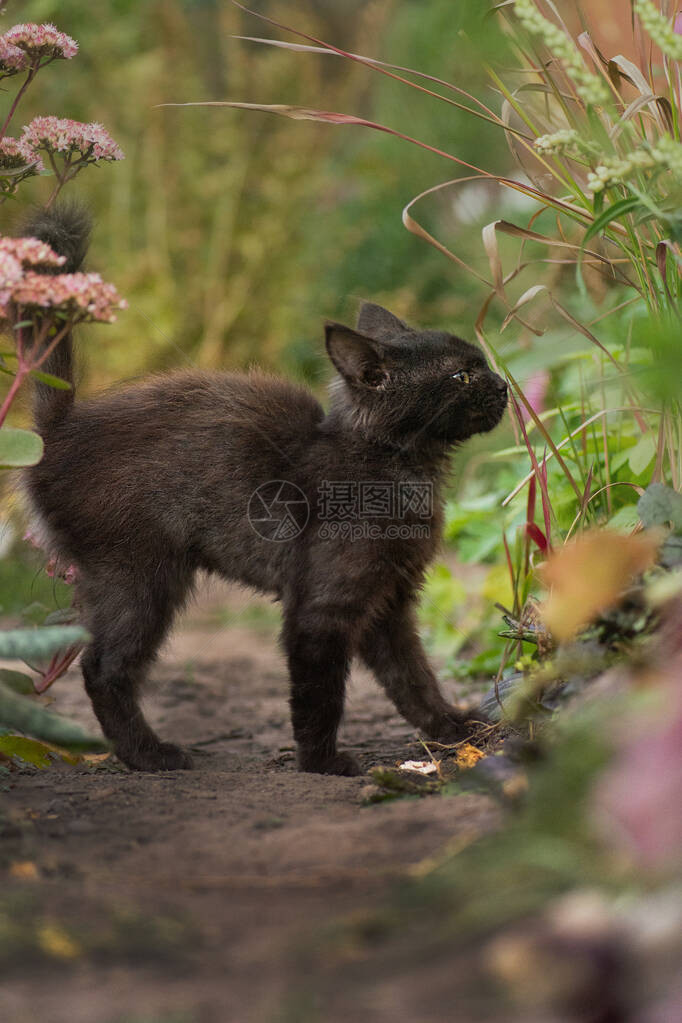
596, 142
588, 286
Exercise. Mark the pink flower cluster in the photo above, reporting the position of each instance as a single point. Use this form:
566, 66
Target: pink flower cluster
15, 255
16, 153
62, 135
41, 41
81, 296
12, 59
10, 275
78, 296
31, 252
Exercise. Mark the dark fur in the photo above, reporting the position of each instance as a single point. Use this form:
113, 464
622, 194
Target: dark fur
143, 487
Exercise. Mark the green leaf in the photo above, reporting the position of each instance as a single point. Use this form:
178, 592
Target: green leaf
35, 613
22, 714
19, 447
660, 505
643, 453
625, 518
51, 381
612, 212
17, 681
29, 750
62, 616
35, 644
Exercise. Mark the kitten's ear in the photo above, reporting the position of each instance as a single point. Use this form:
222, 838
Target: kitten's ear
378, 323
360, 360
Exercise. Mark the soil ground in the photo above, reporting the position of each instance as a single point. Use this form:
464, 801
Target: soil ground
209, 896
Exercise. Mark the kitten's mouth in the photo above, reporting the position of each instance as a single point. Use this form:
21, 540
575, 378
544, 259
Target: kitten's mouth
489, 418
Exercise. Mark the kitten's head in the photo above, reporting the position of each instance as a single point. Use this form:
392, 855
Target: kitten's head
411, 387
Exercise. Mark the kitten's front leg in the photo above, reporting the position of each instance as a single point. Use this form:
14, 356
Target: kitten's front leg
318, 658
393, 650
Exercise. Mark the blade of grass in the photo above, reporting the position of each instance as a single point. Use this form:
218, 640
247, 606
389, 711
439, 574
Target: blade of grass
574, 433
325, 49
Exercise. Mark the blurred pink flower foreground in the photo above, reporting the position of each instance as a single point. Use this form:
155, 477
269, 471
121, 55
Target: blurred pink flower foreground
639, 799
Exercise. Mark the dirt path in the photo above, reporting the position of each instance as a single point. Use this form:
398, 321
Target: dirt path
201, 897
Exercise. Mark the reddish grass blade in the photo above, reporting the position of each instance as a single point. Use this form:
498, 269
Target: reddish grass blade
326, 49
415, 228
544, 493
662, 264
530, 506
331, 117
540, 426
542, 480
537, 536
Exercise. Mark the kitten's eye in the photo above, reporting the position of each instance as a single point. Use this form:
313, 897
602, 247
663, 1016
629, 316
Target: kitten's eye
462, 375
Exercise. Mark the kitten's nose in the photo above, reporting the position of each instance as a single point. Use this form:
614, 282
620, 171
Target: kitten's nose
502, 387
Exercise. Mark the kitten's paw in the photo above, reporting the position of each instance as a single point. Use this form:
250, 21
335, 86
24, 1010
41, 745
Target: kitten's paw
341, 763
449, 727
163, 757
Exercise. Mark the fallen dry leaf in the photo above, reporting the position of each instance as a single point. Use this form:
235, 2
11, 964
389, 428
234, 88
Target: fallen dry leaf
588, 575
467, 755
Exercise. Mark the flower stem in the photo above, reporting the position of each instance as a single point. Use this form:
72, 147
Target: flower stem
52, 345
22, 372
29, 78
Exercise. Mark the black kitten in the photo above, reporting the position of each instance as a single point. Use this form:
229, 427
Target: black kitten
244, 475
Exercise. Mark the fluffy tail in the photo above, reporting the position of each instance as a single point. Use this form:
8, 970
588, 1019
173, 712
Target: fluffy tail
66, 228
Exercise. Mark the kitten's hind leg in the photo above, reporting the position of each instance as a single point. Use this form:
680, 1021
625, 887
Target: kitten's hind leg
317, 652
128, 618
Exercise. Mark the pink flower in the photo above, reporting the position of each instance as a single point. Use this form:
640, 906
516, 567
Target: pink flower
53, 567
12, 59
31, 252
70, 574
10, 275
31, 537
62, 135
81, 296
677, 27
639, 798
17, 153
41, 41
535, 390
17, 161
